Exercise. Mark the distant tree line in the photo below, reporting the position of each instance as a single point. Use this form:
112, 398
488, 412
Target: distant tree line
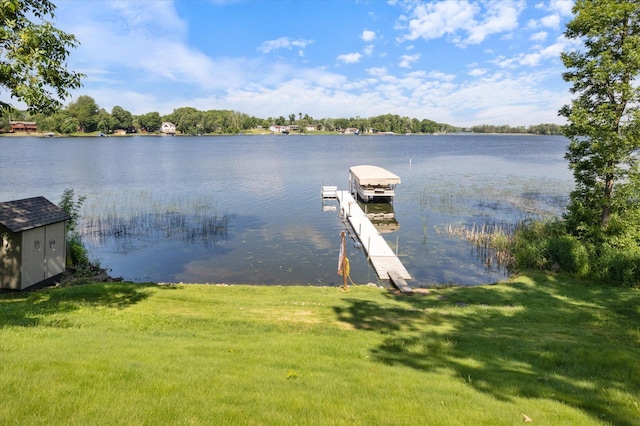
84, 115
540, 129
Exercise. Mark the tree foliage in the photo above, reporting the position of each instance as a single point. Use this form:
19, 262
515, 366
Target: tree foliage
85, 110
385, 123
33, 55
189, 120
538, 129
150, 122
604, 120
122, 118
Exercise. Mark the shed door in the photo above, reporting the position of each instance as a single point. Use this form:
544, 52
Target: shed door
55, 249
33, 255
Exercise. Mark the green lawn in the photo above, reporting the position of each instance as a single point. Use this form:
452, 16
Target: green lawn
556, 350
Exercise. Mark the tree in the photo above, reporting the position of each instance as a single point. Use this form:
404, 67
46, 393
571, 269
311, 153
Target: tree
186, 119
54, 122
604, 120
85, 110
33, 55
122, 118
104, 121
150, 122
69, 125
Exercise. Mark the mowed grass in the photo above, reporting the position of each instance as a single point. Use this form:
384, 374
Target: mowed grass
558, 351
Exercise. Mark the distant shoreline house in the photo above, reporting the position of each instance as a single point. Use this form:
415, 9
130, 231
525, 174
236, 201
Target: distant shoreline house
23, 126
279, 129
168, 128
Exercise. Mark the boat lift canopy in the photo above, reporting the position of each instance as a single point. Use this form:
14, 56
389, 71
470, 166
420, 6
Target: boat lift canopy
373, 176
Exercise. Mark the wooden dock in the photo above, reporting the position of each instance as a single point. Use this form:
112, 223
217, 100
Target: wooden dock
384, 260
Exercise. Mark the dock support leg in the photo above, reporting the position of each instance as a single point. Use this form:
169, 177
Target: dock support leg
344, 262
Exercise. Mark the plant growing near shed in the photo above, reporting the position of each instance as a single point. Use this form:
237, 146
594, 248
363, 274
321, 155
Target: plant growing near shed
78, 255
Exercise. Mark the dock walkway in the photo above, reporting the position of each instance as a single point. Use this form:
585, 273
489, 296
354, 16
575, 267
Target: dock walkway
383, 259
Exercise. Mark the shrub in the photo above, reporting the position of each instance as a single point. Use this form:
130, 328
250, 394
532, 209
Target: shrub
78, 255
567, 253
614, 259
619, 267
530, 244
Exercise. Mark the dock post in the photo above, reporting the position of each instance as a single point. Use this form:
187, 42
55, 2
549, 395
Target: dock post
343, 250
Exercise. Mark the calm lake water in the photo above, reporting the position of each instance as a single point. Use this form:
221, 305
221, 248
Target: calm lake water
247, 209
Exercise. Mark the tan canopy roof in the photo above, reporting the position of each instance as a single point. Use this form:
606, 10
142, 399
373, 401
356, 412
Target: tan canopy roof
373, 175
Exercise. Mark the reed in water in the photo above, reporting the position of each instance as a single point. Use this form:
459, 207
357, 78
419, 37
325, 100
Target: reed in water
127, 222
492, 240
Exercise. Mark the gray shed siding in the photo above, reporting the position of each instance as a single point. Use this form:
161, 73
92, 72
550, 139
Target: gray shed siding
32, 243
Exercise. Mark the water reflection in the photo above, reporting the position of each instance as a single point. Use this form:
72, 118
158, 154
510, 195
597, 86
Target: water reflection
381, 215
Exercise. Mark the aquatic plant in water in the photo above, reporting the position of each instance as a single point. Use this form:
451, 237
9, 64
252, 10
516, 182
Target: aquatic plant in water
131, 220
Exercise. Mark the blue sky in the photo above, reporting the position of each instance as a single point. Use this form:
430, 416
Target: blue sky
461, 62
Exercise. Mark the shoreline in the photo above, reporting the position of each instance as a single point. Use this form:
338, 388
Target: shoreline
323, 133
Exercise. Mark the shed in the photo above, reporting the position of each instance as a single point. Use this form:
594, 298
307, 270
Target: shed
32, 243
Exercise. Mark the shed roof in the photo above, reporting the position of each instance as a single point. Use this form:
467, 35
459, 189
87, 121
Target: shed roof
29, 213
374, 175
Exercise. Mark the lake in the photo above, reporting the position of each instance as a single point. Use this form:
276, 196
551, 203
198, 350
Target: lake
247, 209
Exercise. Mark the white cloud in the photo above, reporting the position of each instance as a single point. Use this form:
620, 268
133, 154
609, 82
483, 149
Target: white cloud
535, 57
441, 76
558, 9
368, 49
117, 54
563, 7
539, 36
368, 35
502, 98
500, 17
147, 17
435, 19
407, 60
350, 58
377, 71
466, 22
550, 21
477, 72
283, 43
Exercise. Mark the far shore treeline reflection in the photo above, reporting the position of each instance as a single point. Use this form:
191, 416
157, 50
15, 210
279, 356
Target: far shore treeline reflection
85, 116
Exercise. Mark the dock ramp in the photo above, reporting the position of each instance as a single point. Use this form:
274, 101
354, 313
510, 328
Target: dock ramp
384, 260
